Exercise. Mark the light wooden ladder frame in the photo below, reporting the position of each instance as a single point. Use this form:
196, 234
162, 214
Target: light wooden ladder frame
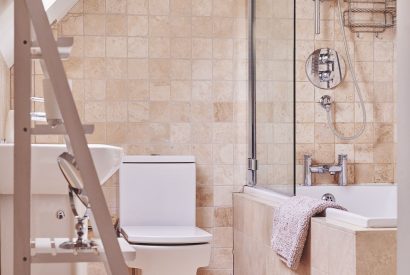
25, 13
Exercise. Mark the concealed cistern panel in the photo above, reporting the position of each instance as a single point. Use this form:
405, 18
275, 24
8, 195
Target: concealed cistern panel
157, 194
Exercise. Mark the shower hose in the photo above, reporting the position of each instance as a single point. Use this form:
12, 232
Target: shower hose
356, 86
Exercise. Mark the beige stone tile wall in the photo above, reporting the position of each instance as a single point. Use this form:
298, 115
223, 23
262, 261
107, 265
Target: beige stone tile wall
372, 156
166, 77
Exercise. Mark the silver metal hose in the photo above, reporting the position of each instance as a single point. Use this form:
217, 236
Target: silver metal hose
356, 86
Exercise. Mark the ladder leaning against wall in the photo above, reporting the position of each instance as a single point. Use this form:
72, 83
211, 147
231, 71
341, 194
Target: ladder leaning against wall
29, 13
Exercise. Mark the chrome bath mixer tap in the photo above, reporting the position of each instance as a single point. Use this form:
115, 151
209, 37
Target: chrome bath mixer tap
339, 169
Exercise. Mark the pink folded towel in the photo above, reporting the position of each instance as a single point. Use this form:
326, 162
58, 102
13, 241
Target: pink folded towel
291, 222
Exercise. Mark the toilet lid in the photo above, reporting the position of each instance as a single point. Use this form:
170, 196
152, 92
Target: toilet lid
165, 235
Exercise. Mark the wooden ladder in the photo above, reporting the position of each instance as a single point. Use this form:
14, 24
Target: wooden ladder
27, 13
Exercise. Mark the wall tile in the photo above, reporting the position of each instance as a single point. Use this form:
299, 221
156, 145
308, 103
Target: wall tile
73, 25
159, 26
94, 46
137, 68
137, 47
202, 27
181, 47
116, 46
116, 25
181, 26
116, 89
159, 7
95, 111
137, 25
201, 48
116, 68
94, 6
137, 6
94, 24
116, 6
138, 111
201, 7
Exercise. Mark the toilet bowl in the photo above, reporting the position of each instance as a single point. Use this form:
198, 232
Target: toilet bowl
180, 249
157, 215
188, 257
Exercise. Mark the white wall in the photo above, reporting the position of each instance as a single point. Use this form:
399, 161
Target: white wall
4, 94
403, 150
7, 31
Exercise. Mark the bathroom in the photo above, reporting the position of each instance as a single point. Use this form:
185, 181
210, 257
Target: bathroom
198, 78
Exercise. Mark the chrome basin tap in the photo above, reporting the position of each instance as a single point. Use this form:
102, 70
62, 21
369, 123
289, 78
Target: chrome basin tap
339, 169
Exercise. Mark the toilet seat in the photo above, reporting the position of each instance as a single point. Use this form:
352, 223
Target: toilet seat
180, 249
165, 235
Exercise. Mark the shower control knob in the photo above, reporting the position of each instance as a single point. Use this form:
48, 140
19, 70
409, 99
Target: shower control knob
324, 57
325, 76
326, 102
60, 215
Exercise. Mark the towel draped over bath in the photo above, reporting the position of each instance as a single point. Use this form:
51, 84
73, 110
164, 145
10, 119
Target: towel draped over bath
291, 222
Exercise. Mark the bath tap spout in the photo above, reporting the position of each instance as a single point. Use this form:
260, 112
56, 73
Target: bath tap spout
339, 169
335, 169
319, 169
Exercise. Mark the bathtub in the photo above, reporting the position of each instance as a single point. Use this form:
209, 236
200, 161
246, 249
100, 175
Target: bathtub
369, 206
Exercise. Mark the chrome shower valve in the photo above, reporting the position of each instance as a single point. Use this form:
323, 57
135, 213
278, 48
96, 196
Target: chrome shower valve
326, 102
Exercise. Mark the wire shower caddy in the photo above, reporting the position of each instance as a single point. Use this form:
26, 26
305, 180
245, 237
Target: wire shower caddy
370, 16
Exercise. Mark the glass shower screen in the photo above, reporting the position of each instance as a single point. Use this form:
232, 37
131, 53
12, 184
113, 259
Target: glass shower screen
272, 119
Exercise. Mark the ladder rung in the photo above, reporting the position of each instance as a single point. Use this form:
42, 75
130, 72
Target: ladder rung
64, 47
47, 250
58, 130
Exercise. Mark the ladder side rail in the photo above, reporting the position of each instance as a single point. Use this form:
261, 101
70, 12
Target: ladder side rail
22, 134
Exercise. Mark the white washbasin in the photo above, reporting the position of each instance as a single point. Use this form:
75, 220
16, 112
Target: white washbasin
46, 177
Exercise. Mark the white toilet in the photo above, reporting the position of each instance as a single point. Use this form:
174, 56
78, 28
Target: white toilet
157, 215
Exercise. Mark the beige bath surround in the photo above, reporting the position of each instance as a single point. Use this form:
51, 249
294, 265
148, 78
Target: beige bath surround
332, 248
338, 248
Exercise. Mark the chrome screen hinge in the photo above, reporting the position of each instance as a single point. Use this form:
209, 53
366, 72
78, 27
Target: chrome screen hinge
252, 164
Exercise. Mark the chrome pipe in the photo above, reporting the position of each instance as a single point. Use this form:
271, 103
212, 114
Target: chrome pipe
342, 162
252, 162
317, 16
307, 174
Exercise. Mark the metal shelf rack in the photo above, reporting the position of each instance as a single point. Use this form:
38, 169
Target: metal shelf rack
371, 16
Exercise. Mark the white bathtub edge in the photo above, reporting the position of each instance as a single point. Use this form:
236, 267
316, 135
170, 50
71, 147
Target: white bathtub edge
265, 194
